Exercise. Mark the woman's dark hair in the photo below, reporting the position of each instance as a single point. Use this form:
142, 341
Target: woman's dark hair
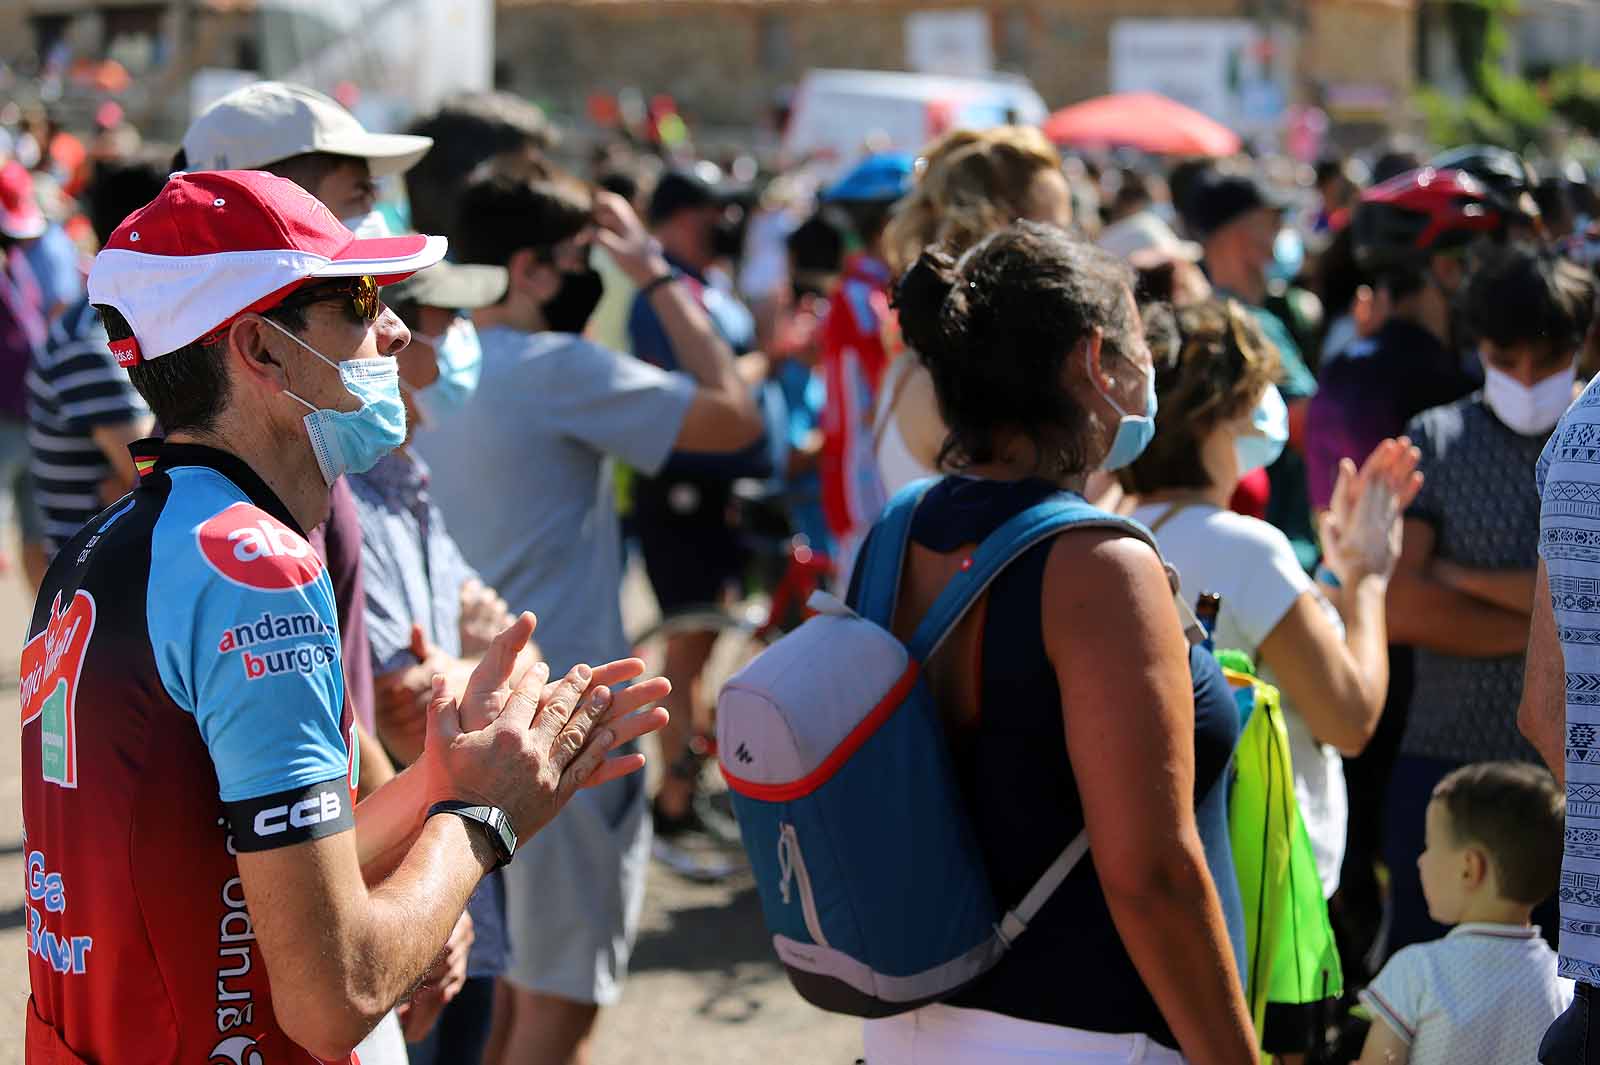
995, 329
500, 216
1211, 371
1521, 295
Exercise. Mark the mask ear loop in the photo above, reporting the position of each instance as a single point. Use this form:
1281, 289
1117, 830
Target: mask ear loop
309, 348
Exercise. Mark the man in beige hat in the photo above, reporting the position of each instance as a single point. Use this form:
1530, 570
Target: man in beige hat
300, 134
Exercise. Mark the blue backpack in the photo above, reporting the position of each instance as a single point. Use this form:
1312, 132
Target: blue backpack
870, 876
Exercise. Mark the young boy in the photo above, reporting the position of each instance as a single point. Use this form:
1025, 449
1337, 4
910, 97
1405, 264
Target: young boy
1487, 991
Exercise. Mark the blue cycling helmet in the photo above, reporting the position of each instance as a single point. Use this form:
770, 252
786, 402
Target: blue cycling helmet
881, 178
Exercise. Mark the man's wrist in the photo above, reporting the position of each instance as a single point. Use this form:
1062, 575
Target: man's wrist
475, 836
651, 269
488, 824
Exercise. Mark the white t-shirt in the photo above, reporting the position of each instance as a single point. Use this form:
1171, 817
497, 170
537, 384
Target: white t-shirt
1251, 565
1485, 992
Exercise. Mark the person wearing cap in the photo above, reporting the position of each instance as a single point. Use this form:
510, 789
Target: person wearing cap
1168, 267
555, 404
204, 887
428, 613
853, 356
300, 134
690, 551
24, 330
1237, 218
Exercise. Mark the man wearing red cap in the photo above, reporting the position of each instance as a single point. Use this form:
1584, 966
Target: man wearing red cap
195, 891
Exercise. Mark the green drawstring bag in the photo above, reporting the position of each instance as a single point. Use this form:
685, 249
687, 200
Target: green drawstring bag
1292, 975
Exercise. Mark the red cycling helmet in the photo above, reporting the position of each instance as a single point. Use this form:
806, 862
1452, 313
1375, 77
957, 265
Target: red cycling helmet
1420, 213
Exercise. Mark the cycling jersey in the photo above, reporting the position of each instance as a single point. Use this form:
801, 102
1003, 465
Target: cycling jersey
182, 702
853, 356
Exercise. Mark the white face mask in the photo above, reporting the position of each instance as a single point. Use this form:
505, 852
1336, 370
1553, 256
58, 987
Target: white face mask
1529, 411
368, 226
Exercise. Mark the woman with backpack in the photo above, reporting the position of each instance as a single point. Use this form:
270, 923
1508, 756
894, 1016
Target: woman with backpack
1070, 697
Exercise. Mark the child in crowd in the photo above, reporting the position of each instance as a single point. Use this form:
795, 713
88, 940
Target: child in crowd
1486, 992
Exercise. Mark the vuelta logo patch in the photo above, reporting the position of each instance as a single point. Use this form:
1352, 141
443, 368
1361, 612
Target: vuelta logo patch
48, 688
250, 547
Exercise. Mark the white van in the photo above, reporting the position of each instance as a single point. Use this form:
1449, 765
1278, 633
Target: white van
839, 114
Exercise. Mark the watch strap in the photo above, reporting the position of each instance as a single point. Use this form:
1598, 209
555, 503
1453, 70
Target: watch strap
492, 819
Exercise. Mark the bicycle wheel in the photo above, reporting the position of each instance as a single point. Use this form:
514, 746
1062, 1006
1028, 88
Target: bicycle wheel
736, 642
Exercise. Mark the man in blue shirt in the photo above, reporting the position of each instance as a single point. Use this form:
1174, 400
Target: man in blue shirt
681, 514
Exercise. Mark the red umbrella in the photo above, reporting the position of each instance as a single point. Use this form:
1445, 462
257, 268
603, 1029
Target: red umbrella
1144, 120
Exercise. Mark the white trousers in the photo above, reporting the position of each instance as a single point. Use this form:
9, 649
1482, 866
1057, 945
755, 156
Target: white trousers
948, 1035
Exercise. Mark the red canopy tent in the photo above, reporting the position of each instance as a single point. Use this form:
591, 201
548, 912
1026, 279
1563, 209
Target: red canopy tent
1147, 121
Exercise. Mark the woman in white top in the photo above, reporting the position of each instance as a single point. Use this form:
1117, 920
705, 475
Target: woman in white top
1322, 645
971, 183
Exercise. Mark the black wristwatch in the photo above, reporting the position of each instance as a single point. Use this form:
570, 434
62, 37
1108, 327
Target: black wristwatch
492, 818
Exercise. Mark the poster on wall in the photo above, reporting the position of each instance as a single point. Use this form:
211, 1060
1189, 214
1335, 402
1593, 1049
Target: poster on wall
1235, 70
949, 42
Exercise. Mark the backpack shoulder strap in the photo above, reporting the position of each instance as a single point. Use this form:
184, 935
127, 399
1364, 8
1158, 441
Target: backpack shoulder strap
885, 555
1038, 523
998, 550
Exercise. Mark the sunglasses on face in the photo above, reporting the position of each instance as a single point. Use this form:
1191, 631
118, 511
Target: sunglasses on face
361, 292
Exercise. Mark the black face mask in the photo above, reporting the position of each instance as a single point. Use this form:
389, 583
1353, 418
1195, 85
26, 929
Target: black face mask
569, 309
727, 238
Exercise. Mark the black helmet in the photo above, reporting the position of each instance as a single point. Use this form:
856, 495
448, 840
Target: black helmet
1509, 179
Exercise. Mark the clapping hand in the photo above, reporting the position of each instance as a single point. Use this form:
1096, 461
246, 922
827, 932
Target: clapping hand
1361, 531
516, 741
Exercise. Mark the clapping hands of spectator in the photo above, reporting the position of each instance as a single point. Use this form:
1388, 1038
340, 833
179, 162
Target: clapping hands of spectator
514, 741
1361, 531
483, 616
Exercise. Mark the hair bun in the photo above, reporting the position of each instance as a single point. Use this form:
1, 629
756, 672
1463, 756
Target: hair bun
925, 298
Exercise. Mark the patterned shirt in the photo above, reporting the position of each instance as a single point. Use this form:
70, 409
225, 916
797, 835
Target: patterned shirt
1483, 993
1484, 511
74, 386
1569, 542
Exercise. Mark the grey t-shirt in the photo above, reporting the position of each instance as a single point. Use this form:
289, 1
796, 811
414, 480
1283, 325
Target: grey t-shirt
522, 476
1478, 493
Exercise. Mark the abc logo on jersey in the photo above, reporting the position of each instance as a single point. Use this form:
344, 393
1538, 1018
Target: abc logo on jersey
250, 547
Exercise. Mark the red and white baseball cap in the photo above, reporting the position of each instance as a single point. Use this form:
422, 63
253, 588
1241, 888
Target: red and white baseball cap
20, 217
214, 245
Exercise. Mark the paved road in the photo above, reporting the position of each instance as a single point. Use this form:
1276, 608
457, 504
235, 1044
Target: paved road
706, 989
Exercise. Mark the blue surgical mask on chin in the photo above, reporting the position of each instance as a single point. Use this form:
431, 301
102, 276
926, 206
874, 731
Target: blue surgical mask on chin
1134, 431
353, 441
460, 359
1269, 432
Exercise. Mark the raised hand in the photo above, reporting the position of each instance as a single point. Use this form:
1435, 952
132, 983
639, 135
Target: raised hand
516, 742
1363, 526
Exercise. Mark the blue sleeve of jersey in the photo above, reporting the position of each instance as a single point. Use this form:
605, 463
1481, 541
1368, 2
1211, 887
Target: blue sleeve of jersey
242, 622
648, 337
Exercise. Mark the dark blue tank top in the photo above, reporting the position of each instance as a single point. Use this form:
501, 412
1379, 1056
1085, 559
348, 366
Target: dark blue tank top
1070, 968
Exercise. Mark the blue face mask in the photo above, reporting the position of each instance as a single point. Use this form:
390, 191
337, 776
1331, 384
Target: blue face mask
353, 441
1134, 431
1269, 431
460, 359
